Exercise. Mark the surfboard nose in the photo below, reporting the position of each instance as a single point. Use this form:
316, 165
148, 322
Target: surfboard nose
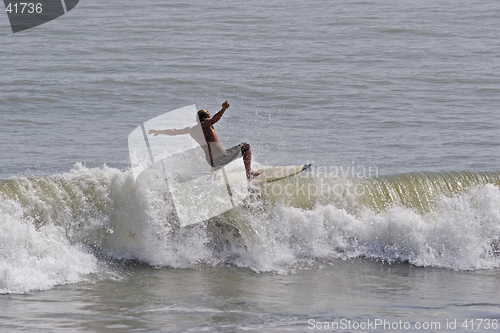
306, 166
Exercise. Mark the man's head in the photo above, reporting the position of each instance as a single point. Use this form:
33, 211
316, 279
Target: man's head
202, 115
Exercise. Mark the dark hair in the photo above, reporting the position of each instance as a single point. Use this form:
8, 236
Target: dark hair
202, 114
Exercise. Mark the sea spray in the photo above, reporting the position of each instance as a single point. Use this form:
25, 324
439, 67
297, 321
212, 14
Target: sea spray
463, 232
56, 229
34, 258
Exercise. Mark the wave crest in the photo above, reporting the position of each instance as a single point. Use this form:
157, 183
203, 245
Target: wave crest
55, 229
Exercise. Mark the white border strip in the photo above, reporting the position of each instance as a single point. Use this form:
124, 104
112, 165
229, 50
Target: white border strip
64, 6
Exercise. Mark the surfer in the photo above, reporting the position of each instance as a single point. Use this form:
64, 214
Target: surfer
204, 134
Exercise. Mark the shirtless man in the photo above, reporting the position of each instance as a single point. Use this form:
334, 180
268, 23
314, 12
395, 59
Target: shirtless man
204, 133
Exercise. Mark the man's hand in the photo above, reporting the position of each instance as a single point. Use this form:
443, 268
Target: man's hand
225, 105
154, 132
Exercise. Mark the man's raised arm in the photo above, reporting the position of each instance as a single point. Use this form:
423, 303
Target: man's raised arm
219, 114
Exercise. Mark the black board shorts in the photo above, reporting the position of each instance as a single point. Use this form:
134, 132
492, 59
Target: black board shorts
230, 155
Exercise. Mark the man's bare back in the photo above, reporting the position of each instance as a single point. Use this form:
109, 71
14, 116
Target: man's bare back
204, 134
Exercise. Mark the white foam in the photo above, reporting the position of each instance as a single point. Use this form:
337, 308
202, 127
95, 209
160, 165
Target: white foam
462, 234
50, 221
138, 223
36, 259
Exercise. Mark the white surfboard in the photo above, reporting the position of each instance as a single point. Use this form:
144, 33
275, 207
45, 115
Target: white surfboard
276, 173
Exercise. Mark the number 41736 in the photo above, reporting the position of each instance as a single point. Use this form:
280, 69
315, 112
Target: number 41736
24, 7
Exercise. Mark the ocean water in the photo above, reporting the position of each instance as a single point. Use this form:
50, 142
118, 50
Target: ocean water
396, 227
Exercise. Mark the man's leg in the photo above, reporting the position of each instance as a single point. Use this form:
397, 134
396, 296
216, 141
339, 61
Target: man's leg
246, 151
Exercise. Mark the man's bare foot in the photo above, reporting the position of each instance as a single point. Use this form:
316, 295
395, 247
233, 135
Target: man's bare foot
253, 174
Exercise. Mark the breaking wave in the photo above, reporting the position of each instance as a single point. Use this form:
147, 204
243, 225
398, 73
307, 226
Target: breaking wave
61, 229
